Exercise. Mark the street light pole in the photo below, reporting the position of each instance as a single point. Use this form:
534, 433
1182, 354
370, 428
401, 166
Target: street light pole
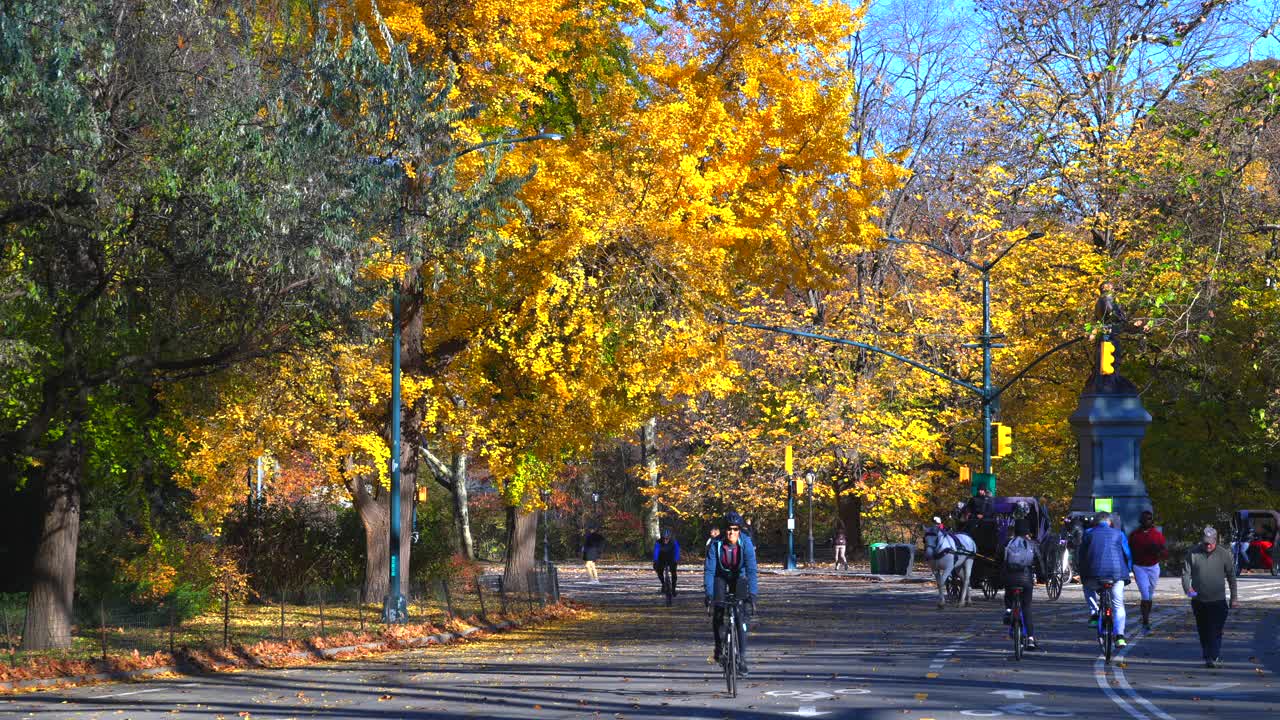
395, 608
986, 369
808, 479
988, 394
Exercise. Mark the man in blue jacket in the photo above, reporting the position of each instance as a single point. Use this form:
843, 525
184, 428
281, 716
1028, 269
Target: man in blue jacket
666, 554
1104, 555
731, 563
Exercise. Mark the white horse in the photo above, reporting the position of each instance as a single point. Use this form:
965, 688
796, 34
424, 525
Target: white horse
940, 550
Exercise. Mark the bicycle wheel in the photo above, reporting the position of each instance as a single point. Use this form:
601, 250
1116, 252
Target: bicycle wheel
1108, 637
1017, 635
1054, 587
668, 585
989, 588
730, 655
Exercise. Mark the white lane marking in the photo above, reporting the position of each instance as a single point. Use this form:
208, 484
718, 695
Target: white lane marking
1014, 694
939, 660
1216, 687
807, 711
132, 692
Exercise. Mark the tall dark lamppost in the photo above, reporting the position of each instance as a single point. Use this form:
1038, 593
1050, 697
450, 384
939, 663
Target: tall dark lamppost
986, 337
808, 481
395, 607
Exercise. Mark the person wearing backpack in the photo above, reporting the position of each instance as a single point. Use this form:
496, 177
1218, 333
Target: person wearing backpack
1021, 558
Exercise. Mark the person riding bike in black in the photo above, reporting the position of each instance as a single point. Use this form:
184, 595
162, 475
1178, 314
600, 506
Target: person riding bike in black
666, 554
731, 563
1021, 558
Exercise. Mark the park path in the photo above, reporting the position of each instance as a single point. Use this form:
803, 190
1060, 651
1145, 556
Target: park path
822, 647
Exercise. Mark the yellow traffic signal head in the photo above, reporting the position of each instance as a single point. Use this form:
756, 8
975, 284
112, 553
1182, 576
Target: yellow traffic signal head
1004, 440
1107, 358
965, 476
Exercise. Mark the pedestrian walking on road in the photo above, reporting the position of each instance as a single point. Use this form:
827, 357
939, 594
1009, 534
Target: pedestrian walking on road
840, 543
592, 549
1206, 570
1105, 556
1149, 548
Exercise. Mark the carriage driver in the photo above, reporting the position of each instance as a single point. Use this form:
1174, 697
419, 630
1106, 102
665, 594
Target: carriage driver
731, 562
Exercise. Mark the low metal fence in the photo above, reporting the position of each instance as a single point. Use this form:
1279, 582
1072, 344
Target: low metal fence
109, 625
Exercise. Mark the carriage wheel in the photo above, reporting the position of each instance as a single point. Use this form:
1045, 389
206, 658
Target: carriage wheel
1054, 587
989, 588
954, 589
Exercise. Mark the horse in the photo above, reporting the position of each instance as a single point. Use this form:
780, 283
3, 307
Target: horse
940, 550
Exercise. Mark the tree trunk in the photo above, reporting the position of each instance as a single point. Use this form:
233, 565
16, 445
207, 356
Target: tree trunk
375, 515
461, 512
522, 542
53, 582
649, 455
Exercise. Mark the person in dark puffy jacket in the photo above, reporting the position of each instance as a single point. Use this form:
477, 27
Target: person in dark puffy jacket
1105, 556
1021, 558
666, 554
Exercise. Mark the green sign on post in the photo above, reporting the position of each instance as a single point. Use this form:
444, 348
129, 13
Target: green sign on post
1102, 505
983, 480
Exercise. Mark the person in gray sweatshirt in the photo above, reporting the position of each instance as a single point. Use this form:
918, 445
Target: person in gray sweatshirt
1205, 572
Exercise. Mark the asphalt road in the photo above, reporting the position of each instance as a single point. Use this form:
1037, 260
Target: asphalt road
821, 647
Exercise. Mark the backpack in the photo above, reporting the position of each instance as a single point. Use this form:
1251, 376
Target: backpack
1019, 553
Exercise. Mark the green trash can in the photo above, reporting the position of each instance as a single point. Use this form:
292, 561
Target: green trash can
875, 552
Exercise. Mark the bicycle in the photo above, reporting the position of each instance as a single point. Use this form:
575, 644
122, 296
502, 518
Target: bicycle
1017, 628
669, 583
730, 639
1061, 575
1106, 620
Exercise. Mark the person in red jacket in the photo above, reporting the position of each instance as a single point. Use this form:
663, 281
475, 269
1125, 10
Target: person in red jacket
1148, 547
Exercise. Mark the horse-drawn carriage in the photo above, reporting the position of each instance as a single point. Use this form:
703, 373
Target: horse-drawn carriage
979, 551
992, 534
1255, 540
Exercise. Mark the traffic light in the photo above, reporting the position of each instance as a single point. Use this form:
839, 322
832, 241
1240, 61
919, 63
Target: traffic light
1004, 440
422, 493
1107, 358
965, 476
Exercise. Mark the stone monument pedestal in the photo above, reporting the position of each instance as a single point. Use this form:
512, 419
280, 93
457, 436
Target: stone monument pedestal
1110, 423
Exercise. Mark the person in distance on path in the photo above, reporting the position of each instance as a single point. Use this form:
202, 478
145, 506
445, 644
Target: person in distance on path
1207, 568
592, 549
1105, 556
731, 563
1148, 546
840, 544
666, 554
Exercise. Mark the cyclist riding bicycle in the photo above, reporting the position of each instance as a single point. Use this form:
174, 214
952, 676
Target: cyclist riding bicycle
666, 555
1105, 557
1021, 558
731, 565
